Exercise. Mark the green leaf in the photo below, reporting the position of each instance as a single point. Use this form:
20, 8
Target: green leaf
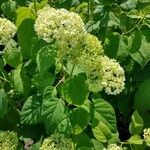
135, 139
113, 20
24, 13
146, 115
103, 112
36, 45
77, 70
31, 111
9, 8
2, 63
142, 96
136, 125
142, 102
75, 90
11, 120
140, 43
65, 126
21, 81
102, 132
103, 121
144, 1
97, 145
42, 4
116, 46
140, 147
3, 103
49, 92
35, 146
26, 34
12, 55
46, 58
146, 10
134, 14
79, 118
82, 140
108, 2
41, 82
129, 4
53, 110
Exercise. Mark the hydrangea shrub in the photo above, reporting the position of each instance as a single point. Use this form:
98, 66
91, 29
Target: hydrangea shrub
74, 75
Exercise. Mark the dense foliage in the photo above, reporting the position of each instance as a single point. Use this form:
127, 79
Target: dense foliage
75, 74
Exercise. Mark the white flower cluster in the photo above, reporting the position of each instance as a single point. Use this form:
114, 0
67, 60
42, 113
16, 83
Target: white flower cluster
8, 140
90, 61
62, 26
105, 73
114, 147
75, 45
113, 76
7, 30
56, 142
147, 136
58, 24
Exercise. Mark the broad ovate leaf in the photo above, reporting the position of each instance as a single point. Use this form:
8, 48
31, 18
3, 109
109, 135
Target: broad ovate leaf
31, 111
136, 125
142, 102
79, 118
135, 139
104, 121
75, 90
53, 111
46, 58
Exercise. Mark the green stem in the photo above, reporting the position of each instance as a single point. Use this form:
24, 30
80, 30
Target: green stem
1, 78
131, 147
60, 81
73, 146
72, 70
35, 6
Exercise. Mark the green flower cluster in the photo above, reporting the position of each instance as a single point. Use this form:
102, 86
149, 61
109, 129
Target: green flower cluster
56, 142
8, 140
7, 30
80, 48
147, 136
